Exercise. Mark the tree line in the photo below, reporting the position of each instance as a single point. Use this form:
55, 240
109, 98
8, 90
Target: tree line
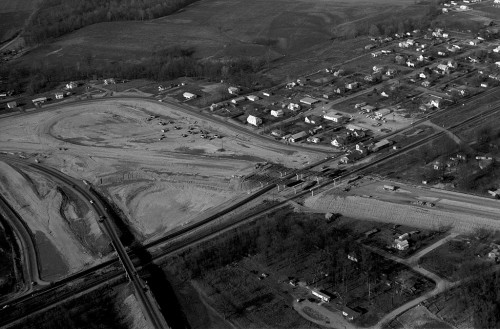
162, 65
58, 17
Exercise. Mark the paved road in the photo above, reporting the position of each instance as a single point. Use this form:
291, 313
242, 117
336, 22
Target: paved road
151, 310
336, 320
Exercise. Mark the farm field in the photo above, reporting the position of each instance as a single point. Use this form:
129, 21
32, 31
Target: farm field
228, 28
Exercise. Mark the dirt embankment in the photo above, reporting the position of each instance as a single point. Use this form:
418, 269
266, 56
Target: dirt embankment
63, 235
376, 210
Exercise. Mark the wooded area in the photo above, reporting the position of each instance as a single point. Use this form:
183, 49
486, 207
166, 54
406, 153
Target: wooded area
57, 17
162, 65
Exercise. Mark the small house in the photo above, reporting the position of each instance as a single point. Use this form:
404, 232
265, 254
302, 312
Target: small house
253, 120
297, 137
11, 105
352, 257
401, 244
109, 81
238, 100
233, 90
277, 113
71, 85
349, 313
189, 96
252, 98
382, 112
294, 107
59, 95
277, 133
381, 144
313, 119
368, 108
333, 116
309, 101
339, 141
352, 85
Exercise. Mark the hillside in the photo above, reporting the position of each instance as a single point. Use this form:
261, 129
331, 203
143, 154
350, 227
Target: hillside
13, 15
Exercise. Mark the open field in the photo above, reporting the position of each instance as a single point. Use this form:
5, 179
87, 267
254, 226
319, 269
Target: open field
225, 28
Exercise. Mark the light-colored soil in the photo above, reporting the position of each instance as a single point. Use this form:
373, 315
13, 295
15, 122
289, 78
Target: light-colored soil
133, 313
40, 209
158, 184
368, 200
155, 207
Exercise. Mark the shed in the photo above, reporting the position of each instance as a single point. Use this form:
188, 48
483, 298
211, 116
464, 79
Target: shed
297, 137
349, 313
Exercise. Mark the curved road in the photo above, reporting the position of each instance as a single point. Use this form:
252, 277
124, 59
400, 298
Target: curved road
30, 259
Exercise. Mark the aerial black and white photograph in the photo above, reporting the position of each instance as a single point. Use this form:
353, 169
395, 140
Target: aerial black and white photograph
249, 164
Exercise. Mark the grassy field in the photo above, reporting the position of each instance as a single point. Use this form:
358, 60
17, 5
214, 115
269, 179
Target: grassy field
228, 28
12, 16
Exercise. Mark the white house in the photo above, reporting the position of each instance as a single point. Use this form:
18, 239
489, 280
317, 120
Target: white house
59, 95
109, 81
293, 107
409, 63
277, 113
71, 85
333, 116
233, 90
253, 120
188, 95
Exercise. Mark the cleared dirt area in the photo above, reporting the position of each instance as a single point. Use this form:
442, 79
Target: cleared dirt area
63, 243
149, 157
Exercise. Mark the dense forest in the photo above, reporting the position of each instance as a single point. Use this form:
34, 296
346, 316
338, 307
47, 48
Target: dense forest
57, 17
